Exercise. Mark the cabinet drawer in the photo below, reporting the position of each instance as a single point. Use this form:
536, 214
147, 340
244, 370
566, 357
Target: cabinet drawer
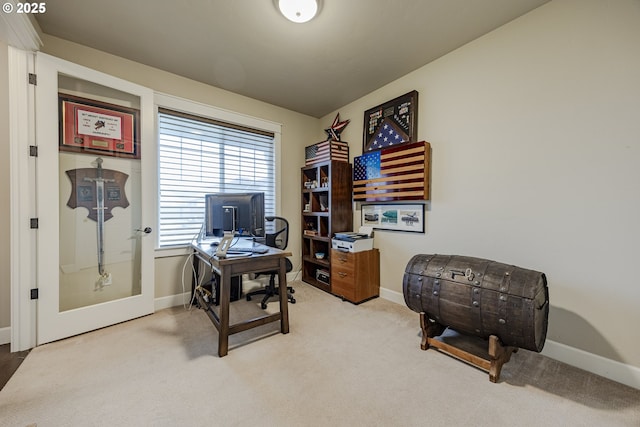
343, 287
343, 275
344, 260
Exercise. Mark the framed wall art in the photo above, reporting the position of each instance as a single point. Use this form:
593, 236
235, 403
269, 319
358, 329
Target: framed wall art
399, 217
392, 123
94, 127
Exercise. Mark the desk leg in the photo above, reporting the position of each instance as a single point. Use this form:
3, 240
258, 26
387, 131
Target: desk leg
225, 300
284, 303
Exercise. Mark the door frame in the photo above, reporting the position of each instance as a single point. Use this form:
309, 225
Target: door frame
24, 240
22, 206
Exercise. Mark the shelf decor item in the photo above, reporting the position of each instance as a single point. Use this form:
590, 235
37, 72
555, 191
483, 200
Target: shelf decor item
336, 128
325, 151
392, 123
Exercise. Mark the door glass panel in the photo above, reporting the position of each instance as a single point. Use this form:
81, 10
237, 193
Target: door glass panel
100, 184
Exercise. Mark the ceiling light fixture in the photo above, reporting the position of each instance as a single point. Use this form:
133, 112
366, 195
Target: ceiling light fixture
298, 11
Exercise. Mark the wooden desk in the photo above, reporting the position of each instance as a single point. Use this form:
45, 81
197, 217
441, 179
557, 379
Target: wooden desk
234, 266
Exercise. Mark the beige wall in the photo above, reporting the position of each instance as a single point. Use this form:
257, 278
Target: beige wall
535, 137
5, 261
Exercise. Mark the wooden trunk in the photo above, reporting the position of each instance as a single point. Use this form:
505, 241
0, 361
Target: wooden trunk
480, 297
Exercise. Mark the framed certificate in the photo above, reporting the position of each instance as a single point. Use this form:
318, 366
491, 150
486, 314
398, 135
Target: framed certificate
94, 127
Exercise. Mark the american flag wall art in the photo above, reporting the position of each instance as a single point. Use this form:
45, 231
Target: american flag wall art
396, 173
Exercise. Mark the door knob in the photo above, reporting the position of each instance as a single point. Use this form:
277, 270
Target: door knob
146, 230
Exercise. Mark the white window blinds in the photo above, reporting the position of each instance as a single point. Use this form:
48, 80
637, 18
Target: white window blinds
199, 156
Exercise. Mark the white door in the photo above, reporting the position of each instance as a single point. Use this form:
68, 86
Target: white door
94, 199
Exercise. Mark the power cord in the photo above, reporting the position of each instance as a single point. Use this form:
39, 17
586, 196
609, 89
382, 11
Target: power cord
207, 294
193, 271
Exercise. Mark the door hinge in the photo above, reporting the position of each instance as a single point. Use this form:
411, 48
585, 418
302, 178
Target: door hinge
34, 293
33, 79
33, 150
33, 223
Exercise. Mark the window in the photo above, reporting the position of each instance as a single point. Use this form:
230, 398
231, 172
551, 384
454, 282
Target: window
200, 155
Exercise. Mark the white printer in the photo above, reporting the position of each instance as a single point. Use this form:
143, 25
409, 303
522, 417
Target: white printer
352, 241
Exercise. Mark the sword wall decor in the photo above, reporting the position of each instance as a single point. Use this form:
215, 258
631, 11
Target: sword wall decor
99, 191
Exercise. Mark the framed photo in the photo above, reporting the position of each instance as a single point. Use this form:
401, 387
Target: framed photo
400, 217
94, 127
392, 123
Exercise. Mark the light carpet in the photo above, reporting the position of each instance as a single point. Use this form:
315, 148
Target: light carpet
341, 365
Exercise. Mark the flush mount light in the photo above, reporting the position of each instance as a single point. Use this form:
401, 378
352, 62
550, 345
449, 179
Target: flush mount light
298, 11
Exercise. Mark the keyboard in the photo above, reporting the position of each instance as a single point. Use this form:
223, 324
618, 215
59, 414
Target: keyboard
246, 245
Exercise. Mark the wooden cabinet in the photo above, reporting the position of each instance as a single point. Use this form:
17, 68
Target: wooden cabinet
326, 210
355, 276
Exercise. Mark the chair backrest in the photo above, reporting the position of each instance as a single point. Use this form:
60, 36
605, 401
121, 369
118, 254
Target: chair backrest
276, 232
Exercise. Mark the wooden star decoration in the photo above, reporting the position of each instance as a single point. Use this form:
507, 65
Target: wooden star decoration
336, 128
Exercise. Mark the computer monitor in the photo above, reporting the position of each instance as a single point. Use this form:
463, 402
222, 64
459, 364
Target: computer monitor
240, 213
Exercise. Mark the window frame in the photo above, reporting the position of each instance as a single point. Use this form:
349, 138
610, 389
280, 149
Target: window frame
181, 105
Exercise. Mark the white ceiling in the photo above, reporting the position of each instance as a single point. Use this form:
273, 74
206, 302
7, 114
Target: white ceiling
245, 46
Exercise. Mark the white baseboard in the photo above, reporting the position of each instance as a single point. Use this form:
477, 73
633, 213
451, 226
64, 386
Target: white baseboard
5, 335
184, 298
172, 301
608, 368
393, 296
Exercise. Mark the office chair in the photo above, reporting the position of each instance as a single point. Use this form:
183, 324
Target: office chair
276, 236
